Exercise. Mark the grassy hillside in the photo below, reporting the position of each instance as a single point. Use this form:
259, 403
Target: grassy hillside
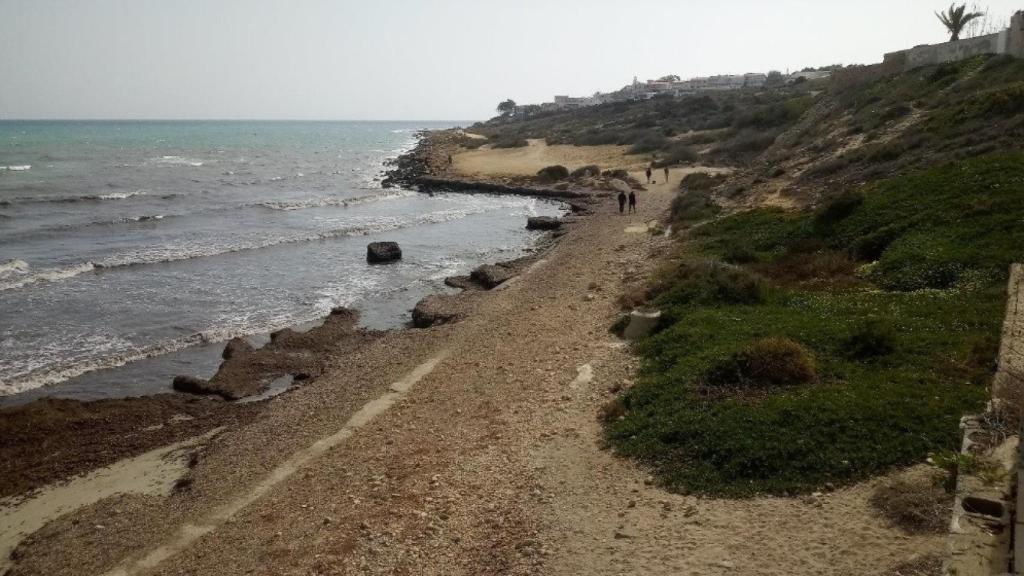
733, 126
824, 344
800, 349
810, 140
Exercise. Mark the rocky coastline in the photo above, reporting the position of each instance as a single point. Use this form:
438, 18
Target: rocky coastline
248, 371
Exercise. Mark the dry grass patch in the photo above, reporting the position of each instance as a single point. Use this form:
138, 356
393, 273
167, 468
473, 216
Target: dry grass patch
768, 363
918, 504
926, 565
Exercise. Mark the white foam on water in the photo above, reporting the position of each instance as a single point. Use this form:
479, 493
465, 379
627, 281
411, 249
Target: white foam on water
116, 195
178, 161
288, 205
47, 275
14, 266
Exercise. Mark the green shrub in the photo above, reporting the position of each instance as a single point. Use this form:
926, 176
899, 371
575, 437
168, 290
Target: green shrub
740, 254
871, 339
955, 227
553, 173
590, 171
698, 181
929, 229
647, 144
858, 420
509, 141
678, 153
747, 142
693, 206
836, 210
708, 283
768, 363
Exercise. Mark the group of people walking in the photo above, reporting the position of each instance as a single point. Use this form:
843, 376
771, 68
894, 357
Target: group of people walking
632, 195
632, 201
651, 173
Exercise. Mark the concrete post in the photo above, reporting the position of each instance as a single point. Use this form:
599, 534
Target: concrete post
1015, 43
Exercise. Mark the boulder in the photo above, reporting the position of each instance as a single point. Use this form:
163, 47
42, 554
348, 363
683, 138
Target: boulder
282, 334
435, 309
463, 282
193, 385
543, 223
491, 275
382, 252
236, 347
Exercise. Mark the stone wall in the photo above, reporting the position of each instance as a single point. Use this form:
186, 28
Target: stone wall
1009, 380
1009, 41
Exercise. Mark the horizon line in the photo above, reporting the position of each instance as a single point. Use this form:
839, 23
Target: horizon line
56, 119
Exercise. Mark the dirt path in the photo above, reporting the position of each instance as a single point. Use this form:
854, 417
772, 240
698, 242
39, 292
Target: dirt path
526, 161
491, 464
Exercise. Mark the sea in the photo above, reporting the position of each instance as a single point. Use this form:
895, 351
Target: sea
131, 251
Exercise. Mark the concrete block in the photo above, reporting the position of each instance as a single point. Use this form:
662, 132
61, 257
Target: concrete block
641, 324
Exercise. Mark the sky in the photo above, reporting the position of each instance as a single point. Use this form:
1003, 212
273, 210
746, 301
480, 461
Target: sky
408, 59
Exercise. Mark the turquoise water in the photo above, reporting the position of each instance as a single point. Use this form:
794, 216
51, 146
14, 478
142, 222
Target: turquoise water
130, 250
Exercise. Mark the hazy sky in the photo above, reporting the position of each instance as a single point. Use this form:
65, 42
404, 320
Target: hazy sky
406, 59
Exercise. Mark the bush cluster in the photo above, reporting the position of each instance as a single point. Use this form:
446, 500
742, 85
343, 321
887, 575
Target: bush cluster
769, 362
553, 173
730, 401
590, 171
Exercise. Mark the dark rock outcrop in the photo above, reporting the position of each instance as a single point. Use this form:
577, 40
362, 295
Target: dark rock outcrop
463, 282
436, 309
193, 385
282, 334
491, 275
382, 252
543, 223
236, 347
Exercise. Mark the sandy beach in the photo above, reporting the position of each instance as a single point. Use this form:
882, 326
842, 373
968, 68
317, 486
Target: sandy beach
466, 448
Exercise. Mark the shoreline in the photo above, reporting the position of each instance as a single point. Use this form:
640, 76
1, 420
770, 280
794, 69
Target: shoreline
466, 448
250, 367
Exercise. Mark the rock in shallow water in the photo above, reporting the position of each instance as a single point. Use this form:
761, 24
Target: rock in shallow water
543, 223
192, 385
491, 275
236, 347
435, 309
382, 252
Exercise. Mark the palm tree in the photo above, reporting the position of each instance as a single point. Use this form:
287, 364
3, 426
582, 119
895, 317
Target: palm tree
956, 19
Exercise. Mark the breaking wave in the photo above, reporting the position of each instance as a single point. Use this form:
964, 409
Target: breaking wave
178, 161
180, 253
288, 205
82, 198
47, 275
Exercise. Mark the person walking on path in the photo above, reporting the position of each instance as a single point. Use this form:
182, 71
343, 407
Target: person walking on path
649, 174
632, 202
622, 201
666, 174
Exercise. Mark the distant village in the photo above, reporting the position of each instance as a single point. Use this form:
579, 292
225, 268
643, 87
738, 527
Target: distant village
673, 86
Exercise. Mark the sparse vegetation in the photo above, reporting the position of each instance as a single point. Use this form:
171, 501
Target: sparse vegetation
678, 153
917, 505
665, 127
873, 339
590, 171
767, 363
553, 173
693, 206
878, 398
